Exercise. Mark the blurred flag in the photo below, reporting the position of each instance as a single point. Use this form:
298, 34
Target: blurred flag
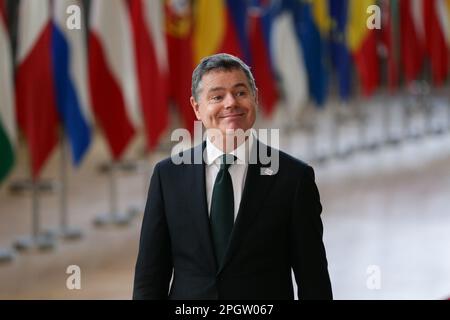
339, 52
214, 30
239, 16
112, 73
7, 108
258, 21
313, 46
179, 32
69, 65
321, 16
436, 26
288, 60
152, 66
446, 25
411, 38
362, 44
35, 96
389, 40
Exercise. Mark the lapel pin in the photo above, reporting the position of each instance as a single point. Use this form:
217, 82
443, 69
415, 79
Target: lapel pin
268, 172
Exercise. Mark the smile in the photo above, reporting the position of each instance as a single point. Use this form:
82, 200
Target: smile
232, 116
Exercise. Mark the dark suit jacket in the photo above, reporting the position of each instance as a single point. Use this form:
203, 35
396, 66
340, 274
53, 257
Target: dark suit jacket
278, 227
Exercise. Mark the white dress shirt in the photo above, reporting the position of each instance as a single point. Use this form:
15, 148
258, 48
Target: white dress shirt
237, 170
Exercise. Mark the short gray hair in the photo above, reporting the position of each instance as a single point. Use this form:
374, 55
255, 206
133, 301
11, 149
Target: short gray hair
220, 61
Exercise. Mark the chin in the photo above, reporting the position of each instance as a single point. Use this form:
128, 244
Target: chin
236, 124
234, 128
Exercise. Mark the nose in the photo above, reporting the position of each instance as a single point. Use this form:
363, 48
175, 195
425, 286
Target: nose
230, 101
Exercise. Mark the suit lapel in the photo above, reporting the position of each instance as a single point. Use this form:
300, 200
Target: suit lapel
200, 211
256, 187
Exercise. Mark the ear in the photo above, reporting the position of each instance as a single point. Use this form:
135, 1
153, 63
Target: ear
256, 97
195, 107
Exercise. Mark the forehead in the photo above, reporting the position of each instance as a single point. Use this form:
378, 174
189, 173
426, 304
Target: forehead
223, 78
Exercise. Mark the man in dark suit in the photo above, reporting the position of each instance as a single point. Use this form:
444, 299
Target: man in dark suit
228, 227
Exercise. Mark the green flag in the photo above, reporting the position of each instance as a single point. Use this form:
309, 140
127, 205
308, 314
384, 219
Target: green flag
7, 112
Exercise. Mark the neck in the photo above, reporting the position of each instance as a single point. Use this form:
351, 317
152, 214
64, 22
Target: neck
228, 143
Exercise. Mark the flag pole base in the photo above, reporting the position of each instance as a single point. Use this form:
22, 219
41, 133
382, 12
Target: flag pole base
437, 131
134, 212
70, 233
125, 166
415, 136
6, 255
41, 242
19, 186
321, 160
345, 153
393, 141
372, 146
120, 220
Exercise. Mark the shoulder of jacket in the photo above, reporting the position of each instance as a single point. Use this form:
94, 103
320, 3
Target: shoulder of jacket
290, 163
172, 162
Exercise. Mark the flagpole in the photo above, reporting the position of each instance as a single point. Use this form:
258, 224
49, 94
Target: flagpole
6, 255
387, 120
37, 239
373, 143
141, 167
313, 137
363, 128
65, 230
422, 106
429, 110
341, 118
136, 210
385, 117
335, 131
148, 171
351, 120
406, 117
447, 97
113, 217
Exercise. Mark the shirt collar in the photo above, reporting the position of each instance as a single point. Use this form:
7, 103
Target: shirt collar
213, 153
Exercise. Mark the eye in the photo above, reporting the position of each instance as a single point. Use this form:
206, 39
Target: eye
216, 98
241, 93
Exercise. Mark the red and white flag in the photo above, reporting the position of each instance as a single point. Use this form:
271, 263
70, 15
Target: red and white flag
436, 28
179, 32
412, 38
150, 46
35, 94
112, 73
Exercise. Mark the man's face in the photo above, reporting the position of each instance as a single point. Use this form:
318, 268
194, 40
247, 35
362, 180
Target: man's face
225, 101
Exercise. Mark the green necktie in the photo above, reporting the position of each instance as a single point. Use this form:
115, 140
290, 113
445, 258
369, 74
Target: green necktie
222, 208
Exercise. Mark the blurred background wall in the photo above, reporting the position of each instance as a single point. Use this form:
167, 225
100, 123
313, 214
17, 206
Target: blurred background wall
90, 92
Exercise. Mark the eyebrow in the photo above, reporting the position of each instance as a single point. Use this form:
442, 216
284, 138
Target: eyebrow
240, 84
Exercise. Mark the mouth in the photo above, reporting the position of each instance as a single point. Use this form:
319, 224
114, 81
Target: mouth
232, 116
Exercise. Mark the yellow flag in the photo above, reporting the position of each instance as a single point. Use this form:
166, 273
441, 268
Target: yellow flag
209, 27
357, 19
321, 15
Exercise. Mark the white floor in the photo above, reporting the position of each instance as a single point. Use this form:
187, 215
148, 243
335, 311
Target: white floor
387, 228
